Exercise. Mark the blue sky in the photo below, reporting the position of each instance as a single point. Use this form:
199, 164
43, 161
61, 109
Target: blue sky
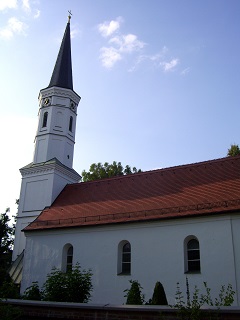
159, 80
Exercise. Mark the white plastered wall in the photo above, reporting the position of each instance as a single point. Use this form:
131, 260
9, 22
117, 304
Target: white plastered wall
157, 255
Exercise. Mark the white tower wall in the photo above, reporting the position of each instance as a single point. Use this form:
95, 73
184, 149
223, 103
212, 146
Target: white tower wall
41, 184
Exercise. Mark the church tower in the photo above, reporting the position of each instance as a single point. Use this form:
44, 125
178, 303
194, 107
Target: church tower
51, 169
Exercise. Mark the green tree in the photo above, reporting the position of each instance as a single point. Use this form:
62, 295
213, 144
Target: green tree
101, 171
134, 294
73, 286
159, 296
234, 150
6, 243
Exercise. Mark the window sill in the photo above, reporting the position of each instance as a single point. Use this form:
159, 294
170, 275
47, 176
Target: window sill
192, 272
124, 274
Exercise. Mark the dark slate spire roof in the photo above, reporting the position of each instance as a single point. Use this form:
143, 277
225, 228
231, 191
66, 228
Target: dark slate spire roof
62, 73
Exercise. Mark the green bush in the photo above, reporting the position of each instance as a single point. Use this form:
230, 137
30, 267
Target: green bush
134, 294
9, 290
79, 285
33, 292
73, 286
159, 296
55, 288
8, 312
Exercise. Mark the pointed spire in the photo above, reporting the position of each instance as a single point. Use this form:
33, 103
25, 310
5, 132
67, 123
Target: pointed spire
62, 73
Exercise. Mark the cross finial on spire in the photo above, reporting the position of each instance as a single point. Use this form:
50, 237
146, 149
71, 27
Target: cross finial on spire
69, 16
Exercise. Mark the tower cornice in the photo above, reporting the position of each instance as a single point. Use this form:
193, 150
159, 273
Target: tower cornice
57, 91
49, 166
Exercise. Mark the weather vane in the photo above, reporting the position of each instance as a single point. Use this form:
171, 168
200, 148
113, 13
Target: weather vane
70, 14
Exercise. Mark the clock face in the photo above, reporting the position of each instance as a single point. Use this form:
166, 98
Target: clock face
46, 101
72, 106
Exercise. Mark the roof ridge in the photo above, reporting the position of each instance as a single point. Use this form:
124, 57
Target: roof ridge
166, 169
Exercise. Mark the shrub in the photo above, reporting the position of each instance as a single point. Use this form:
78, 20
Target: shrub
73, 286
134, 294
191, 308
33, 292
8, 312
9, 290
55, 288
159, 296
79, 285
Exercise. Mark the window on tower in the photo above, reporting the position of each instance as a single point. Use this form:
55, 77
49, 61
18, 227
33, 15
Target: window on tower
70, 123
45, 117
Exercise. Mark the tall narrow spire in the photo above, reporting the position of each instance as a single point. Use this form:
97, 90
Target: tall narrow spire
62, 73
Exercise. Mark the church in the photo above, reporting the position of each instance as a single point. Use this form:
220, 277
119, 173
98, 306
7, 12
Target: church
161, 225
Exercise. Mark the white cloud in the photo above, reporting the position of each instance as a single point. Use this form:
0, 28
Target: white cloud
74, 32
154, 59
8, 4
26, 6
37, 14
124, 44
119, 45
127, 43
14, 26
169, 66
106, 28
185, 71
160, 55
109, 56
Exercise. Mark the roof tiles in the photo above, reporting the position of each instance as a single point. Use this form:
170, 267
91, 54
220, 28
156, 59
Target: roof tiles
189, 190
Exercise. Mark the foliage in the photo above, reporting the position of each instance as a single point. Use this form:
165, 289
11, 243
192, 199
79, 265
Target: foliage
6, 243
234, 150
54, 289
6, 232
159, 296
33, 292
225, 297
101, 171
191, 309
134, 294
73, 286
79, 285
8, 312
9, 290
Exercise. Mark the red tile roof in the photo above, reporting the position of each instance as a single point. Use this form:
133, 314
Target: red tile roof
203, 188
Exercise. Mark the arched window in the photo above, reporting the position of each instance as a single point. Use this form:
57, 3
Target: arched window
124, 257
67, 257
70, 258
192, 255
70, 123
45, 117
